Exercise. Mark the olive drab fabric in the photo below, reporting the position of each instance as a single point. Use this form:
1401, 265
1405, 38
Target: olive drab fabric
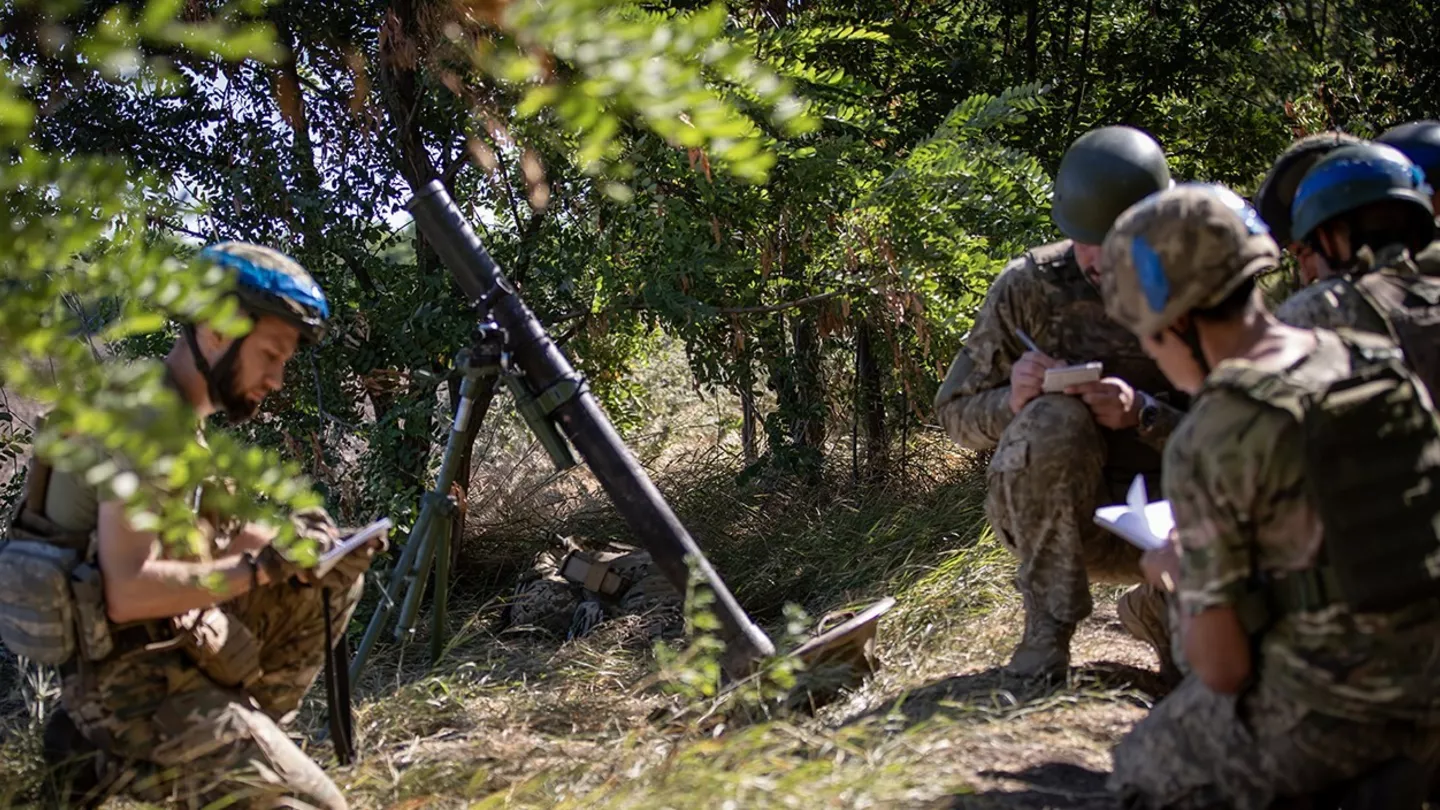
187, 710
1277, 190
1105, 171
1372, 459
1336, 691
1183, 249
1389, 292
51, 605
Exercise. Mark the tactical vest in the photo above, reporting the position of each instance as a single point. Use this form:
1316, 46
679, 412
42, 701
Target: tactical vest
1372, 462
52, 606
1409, 306
1080, 330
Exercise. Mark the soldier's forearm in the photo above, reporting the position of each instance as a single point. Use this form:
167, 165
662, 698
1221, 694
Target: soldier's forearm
164, 588
976, 421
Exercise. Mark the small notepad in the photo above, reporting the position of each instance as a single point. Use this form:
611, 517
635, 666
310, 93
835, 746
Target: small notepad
1142, 524
349, 544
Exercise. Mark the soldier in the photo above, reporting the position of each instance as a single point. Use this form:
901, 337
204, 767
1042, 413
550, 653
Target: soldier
201, 661
1314, 651
1059, 456
1420, 141
1365, 211
569, 591
1277, 193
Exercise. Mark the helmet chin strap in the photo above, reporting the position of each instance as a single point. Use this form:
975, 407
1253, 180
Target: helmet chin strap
1191, 335
220, 371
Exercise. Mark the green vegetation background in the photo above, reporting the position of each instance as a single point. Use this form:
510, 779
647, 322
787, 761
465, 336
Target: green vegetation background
760, 228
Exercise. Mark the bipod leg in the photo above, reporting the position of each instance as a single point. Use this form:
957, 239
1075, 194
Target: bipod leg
478, 361
392, 593
443, 541
420, 577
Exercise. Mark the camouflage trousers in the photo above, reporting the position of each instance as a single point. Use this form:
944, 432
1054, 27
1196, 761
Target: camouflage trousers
1199, 749
1046, 478
170, 734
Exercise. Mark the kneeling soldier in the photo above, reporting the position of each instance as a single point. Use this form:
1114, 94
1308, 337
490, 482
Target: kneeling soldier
1314, 649
178, 672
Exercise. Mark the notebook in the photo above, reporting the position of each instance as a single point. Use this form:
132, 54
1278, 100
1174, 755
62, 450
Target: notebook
328, 560
1143, 524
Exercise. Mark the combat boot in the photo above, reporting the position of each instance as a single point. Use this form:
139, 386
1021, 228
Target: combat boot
1044, 651
1143, 614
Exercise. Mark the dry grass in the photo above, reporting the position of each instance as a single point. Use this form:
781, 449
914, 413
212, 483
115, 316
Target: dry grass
515, 720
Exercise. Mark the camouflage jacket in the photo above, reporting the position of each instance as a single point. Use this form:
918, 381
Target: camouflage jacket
1333, 303
1235, 476
1045, 293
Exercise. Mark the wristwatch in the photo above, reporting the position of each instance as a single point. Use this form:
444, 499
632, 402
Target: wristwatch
1149, 412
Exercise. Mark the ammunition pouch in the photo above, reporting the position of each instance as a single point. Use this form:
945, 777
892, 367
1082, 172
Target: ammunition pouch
52, 606
587, 570
220, 645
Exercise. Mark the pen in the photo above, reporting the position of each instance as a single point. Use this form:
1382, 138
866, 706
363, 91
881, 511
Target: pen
1029, 344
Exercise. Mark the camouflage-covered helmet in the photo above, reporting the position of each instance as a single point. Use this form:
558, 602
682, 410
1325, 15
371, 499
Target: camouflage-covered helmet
1105, 171
1277, 190
1354, 176
1420, 141
1180, 250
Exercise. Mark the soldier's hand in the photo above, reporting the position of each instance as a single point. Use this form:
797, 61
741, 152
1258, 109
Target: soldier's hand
1027, 378
1112, 402
1161, 566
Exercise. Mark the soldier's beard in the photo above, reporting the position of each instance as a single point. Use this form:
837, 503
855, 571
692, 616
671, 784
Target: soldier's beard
237, 406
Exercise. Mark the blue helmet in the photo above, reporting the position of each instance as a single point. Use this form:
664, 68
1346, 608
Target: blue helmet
1420, 141
268, 282
1351, 177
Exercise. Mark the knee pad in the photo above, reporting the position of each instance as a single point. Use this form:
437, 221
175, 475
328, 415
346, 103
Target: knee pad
1052, 432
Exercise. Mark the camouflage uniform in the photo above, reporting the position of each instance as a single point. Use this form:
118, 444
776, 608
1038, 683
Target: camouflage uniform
1053, 465
1333, 303
547, 601
1336, 693
167, 731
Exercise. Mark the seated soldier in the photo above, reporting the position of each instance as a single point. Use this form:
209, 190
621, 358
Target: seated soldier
1277, 193
1060, 455
1365, 212
208, 656
1314, 652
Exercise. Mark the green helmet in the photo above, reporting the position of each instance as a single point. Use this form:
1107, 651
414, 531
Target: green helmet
1420, 141
1352, 177
1181, 250
1277, 190
1105, 171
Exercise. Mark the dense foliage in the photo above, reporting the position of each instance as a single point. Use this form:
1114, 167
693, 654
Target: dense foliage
812, 195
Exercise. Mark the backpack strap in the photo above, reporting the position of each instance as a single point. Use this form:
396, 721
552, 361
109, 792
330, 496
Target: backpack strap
37, 486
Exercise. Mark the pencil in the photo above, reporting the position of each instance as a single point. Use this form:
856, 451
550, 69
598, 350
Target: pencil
1029, 344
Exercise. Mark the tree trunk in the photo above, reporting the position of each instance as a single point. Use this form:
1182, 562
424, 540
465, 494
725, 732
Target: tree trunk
1032, 39
808, 427
870, 380
748, 422
483, 399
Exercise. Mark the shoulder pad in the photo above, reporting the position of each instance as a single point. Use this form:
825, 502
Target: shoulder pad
1051, 255
1265, 387
1369, 346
